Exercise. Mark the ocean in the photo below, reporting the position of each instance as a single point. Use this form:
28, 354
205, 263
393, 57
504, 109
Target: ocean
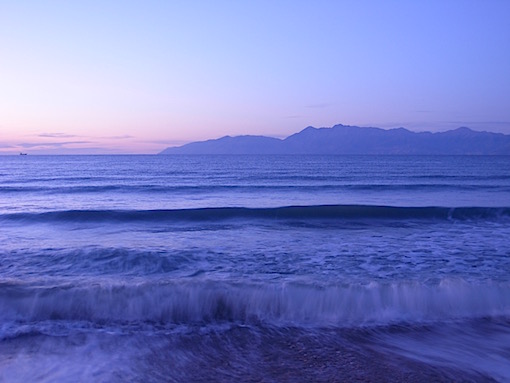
254, 269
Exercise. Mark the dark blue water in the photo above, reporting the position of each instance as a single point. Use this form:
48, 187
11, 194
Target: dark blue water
248, 268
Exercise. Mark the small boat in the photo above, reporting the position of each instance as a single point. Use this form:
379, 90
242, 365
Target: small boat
23, 154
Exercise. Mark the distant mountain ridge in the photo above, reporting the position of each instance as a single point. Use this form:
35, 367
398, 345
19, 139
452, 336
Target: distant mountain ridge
344, 139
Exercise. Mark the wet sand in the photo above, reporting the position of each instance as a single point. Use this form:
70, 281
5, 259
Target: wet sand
238, 354
290, 356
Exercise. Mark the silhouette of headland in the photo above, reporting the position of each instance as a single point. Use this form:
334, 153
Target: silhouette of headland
342, 139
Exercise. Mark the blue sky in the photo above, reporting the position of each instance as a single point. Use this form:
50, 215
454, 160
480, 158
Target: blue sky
133, 76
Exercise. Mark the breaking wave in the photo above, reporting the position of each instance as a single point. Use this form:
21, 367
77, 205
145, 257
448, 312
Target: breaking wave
277, 304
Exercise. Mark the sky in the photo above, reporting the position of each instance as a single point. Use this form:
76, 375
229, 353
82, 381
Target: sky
139, 76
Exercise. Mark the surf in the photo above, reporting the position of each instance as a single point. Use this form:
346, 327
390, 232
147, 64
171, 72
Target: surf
195, 302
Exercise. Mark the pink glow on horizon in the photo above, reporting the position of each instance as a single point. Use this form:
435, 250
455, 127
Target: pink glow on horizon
132, 78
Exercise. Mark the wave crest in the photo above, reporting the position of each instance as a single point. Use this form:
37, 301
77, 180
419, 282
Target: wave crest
285, 304
276, 213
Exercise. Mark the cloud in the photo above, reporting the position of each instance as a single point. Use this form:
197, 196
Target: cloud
504, 123
123, 137
168, 142
57, 135
42, 150
77, 151
65, 135
51, 144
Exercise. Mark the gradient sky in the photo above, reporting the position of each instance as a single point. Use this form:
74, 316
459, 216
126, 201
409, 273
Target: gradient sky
138, 76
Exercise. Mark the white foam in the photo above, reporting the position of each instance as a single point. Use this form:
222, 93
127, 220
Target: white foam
276, 303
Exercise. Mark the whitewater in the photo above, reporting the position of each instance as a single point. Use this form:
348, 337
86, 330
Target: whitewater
254, 268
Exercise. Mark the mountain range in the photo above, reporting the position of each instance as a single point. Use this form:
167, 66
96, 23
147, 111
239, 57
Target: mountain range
343, 139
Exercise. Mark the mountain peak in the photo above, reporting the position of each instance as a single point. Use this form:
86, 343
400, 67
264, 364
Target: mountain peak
463, 129
308, 129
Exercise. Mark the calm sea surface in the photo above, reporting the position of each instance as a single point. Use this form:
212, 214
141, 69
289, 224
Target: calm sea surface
254, 268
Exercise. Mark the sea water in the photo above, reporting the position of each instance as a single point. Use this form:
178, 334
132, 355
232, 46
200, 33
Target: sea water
254, 268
